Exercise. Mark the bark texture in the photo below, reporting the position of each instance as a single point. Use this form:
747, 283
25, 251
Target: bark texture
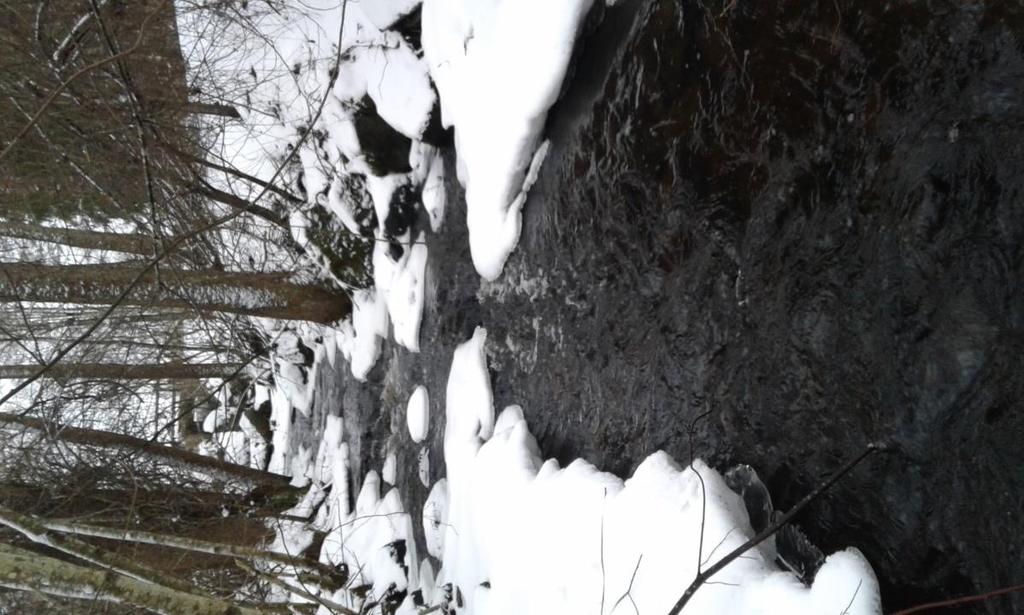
269, 295
77, 238
187, 544
112, 371
30, 571
92, 437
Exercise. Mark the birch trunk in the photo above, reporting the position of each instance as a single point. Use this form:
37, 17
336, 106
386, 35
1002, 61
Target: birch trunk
25, 570
189, 544
32, 529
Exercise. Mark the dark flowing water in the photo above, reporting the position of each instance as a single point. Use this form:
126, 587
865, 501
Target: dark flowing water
802, 220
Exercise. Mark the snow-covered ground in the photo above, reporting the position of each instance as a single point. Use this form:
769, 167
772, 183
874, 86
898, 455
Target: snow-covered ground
506, 530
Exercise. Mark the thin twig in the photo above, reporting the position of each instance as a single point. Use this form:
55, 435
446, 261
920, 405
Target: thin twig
82, 71
766, 533
846, 610
602, 551
629, 590
703, 489
298, 591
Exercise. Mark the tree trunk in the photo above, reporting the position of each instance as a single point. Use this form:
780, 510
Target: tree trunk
270, 295
32, 529
31, 571
189, 544
111, 371
238, 203
186, 511
90, 240
218, 109
216, 468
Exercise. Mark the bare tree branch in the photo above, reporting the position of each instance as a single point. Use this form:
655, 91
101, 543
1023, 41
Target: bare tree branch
80, 72
174, 245
703, 577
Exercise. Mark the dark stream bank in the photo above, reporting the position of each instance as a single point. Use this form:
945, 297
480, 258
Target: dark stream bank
802, 219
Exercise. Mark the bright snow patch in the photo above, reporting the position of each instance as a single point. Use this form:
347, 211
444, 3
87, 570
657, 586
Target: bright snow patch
390, 471
389, 71
401, 284
384, 13
498, 67
417, 414
375, 541
360, 338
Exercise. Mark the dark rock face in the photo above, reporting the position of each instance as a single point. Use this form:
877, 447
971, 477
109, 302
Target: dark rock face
386, 150
805, 219
403, 210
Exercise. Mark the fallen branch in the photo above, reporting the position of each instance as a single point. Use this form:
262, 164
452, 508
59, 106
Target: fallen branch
298, 591
196, 545
34, 530
703, 577
25, 570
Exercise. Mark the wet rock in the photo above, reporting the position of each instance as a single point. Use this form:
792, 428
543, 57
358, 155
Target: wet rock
344, 255
411, 28
402, 214
386, 150
744, 481
350, 194
435, 133
797, 553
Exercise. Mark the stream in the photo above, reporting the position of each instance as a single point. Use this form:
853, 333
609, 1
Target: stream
767, 233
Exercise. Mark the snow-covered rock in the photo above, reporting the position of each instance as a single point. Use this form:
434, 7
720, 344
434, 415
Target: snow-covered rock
417, 414
498, 66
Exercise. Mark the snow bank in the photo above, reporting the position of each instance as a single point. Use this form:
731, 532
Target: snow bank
274, 65
359, 338
517, 534
498, 66
375, 541
401, 284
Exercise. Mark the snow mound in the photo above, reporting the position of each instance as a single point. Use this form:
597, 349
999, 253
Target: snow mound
401, 283
417, 414
517, 534
360, 338
498, 66
375, 541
